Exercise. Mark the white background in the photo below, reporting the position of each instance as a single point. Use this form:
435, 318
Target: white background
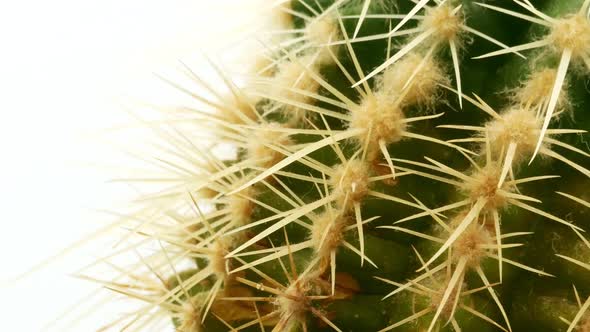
65, 66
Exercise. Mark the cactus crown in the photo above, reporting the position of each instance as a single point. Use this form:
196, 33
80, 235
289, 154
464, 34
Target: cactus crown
385, 176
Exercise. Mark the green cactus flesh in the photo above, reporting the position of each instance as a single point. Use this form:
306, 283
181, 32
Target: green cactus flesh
401, 165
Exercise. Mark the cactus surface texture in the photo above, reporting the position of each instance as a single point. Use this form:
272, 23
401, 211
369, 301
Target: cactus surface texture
403, 165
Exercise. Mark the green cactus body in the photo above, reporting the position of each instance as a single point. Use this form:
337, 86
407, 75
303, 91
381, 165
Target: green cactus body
401, 165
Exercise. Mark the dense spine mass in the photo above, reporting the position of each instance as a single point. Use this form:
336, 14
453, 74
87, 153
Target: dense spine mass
398, 165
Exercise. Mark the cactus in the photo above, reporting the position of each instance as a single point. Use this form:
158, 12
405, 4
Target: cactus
395, 165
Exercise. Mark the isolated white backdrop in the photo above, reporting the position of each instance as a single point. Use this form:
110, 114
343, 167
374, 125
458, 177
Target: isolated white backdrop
65, 67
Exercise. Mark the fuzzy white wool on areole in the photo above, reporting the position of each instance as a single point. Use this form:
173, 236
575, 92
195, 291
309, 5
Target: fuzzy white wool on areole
519, 126
381, 118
